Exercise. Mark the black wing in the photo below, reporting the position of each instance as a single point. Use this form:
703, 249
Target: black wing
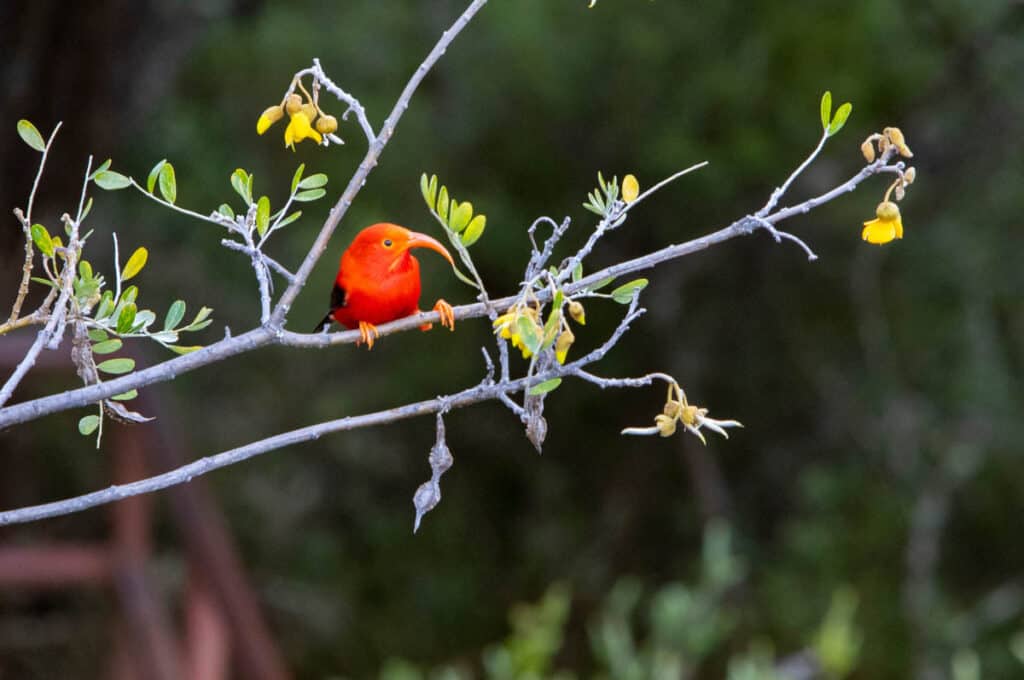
338, 296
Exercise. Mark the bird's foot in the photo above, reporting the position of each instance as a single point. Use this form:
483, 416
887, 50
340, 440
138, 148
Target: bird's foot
447, 316
368, 333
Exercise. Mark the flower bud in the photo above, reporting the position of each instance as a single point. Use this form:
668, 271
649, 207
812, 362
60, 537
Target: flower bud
688, 414
326, 124
909, 175
868, 149
310, 111
293, 104
884, 144
673, 408
577, 313
900, 192
905, 151
270, 116
895, 136
562, 345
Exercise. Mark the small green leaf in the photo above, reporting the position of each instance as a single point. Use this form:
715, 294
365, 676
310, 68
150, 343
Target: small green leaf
592, 209
107, 346
143, 319
262, 215
240, 183
174, 315
86, 209
600, 284
826, 109
432, 190
546, 386
442, 205
842, 113
130, 294
460, 215
153, 174
425, 190
126, 319
474, 231
226, 210
98, 335
178, 349
168, 184
291, 218
111, 181
528, 333
41, 237
104, 166
118, 366
106, 305
85, 269
135, 264
577, 272
297, 177
43, 281
125, 396
624, 293
310, 195
314, 181
28, 132
164, 337
88, 424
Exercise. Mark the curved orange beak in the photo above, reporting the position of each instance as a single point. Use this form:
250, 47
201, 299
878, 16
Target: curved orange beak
418, 240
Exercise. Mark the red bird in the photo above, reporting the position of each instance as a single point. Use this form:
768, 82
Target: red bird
379, 281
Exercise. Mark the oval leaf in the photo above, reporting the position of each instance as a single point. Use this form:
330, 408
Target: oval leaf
153, 174
168, 184
624, 293
28, 132
460, 216
174, 315
88, 424
826, 109
178, 349
125, 396
297, 177
262, 215
126, 319
135, 263
528, 333
474, 231
225, 210
425, 190
842, 113
442, 205
118, 366
314, 181
98, 335
107, 346
546, 386
240, 183
111, 181
309, 195
291, 218
41, 237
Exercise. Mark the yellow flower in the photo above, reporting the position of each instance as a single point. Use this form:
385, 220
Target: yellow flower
299, 129
886, 226
268, 118
507, 326
562, 345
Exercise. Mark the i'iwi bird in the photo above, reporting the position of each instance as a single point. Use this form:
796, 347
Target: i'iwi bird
379, 281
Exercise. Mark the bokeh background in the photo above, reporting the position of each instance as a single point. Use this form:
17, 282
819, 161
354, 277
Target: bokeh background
874, 496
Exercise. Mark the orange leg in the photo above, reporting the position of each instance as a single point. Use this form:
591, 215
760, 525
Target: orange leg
447, 316
368, 333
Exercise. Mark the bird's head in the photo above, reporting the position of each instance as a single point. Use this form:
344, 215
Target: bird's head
383, 247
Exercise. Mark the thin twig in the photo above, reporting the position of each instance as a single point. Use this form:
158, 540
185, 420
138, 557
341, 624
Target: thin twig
779, 192
26, 225
271, 262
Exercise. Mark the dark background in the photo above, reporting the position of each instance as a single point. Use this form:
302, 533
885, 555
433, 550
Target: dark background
880, 387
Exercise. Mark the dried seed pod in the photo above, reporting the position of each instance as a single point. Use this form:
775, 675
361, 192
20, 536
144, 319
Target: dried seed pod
665, 424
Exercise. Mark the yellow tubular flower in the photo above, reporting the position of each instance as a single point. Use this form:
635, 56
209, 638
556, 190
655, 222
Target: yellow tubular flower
887, 225
268, 118
299, 129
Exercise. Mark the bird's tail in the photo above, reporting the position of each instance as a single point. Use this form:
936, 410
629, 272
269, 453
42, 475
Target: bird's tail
326, 320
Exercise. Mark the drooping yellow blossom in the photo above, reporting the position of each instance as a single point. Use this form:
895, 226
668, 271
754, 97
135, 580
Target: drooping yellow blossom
562, 345
507, 326
630, 188
268, 118
299, 129
886, 226
578, 314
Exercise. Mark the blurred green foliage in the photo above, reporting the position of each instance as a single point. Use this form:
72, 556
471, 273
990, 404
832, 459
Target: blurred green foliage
881, 389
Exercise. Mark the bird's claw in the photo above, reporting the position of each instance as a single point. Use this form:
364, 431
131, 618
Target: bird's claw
447, 314
368, 333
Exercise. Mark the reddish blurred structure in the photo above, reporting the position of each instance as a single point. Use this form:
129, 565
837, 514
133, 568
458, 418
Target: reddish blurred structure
221, 627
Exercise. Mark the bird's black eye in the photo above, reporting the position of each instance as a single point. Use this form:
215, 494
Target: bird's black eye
387, 243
